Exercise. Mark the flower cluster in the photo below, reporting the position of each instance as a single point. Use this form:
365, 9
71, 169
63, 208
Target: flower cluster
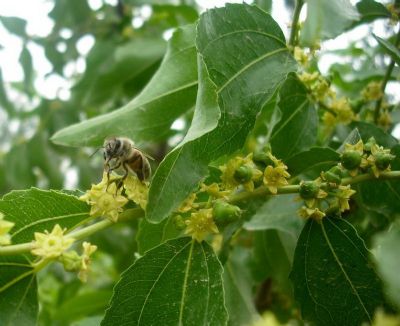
54, 245
259, 169
363, 158
5, 227
107, 199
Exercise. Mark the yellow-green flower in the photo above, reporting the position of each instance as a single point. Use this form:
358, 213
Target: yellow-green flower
353, 157
311, 192
88, 250
313, 213
329, 120
53, 244
5, 227
214, 190
105, 199
228, 179
373, 91
136, 190
201, 224
343, 194
300, 56
188, 204
342, 108
379, 160
275, 177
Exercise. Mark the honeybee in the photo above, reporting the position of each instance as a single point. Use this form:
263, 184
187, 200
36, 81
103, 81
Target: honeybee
121, 152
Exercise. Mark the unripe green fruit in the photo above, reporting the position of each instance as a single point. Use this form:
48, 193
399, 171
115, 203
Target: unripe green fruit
308, 190
351, 160
224, 213
382, 160
179, 222
243, 174
334, 175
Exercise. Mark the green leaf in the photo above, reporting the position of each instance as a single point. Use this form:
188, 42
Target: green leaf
389, 48
246, 61
151, 235
18, 292
238, 285
371, 10
318, 158
278, 213
382, 196
27, 65
116, 65
326, 19
178, 283
148, 116
273, 256
368, 130
387, 247
334, 282
82, 305
15, 25
36, 210
297, 128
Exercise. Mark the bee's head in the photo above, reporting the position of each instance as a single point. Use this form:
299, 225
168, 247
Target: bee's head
112, 147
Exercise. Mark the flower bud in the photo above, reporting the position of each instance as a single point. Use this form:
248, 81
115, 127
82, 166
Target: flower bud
308, 189
351, 160
334, 175
243, 174
71, 261
382, 160
179, 222
262, 158
224, 213
368, 145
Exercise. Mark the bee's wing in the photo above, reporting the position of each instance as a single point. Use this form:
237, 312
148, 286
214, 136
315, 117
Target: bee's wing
145, 154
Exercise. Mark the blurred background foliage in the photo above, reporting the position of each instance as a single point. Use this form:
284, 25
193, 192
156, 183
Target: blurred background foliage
129, 41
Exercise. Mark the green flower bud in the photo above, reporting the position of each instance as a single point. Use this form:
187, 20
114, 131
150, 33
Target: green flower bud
308, 189
351, 160
224, 213
382, 160
71, 261
262, 158
368, 145
243, 174
179, 222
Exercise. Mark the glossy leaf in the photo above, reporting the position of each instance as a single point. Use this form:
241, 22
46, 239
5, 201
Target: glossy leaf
333, 279
278, 213
178, 283
387, 246
245, 62
238, 285
36, 210
318, 158
389, 48
18, 292
297, 128
151, 235
326, 19
15, 25
148, 116
371, 10
273, 257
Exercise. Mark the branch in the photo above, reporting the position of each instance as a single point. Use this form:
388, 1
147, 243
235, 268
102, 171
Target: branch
295, 23
385, 81
80, 234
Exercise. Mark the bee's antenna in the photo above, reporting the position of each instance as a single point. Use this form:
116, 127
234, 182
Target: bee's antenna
99, 148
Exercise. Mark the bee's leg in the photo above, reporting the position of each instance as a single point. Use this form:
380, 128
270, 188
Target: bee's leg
120, 181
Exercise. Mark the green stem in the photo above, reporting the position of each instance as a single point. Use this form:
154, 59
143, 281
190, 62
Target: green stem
78, 234
295, 23
386, 80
